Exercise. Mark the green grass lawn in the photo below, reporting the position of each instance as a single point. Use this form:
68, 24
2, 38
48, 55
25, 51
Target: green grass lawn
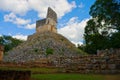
67, 77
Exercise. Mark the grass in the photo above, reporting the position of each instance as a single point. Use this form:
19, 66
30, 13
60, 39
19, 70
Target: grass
67, 77
43, 70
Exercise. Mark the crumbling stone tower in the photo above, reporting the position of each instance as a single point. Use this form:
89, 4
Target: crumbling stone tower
49, 23
1, 52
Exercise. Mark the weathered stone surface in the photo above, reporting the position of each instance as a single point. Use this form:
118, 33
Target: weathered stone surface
62, 53
52, 14
1, 52
15, 75
91, 63
49, 23
36, 46
77, 63
40, 23
112, 66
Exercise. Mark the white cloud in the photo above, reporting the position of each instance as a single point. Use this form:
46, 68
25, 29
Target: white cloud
15, 6
76, 43
81, 5
30, 26
23, 6
74, 30
40, 6
19, 21
60, 6
14, 19
20, 36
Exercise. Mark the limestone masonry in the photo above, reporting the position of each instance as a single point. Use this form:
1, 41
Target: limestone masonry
1, 52
47, 48
49, 23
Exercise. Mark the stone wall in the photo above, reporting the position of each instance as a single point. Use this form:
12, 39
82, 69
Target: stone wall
108, 51
49, 23
40, 23
1, 52
52, 14
1, 55
47, 27
43, 28
107, 63
14, 75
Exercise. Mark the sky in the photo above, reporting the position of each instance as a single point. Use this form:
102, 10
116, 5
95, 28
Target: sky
18, 17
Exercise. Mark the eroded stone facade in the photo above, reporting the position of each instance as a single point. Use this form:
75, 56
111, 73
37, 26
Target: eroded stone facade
1, 52
49, 23
109, 63
15, 75
106, 61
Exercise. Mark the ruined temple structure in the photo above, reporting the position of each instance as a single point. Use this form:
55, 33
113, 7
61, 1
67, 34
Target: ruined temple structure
49, 23
1, 52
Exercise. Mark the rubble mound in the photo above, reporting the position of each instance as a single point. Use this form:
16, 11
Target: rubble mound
42, 45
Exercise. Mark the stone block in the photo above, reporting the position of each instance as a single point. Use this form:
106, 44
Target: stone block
14, 75
111, 66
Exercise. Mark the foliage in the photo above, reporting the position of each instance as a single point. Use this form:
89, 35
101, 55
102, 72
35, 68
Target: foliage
115, 40
107, 13
36, 50
103, 30
8, 42
49, 51
81, 47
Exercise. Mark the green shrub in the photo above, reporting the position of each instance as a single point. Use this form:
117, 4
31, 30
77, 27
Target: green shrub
36, 50
49, 51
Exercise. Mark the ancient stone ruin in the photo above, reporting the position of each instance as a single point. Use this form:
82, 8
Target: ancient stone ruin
106, 61
15, 75
62, 54
49, 23
1, 52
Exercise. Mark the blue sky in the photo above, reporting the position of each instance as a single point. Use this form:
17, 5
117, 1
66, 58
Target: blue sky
18, 17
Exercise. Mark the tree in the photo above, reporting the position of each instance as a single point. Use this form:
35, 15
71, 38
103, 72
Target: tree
115, 40
102, 29
8, 42
106, 13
